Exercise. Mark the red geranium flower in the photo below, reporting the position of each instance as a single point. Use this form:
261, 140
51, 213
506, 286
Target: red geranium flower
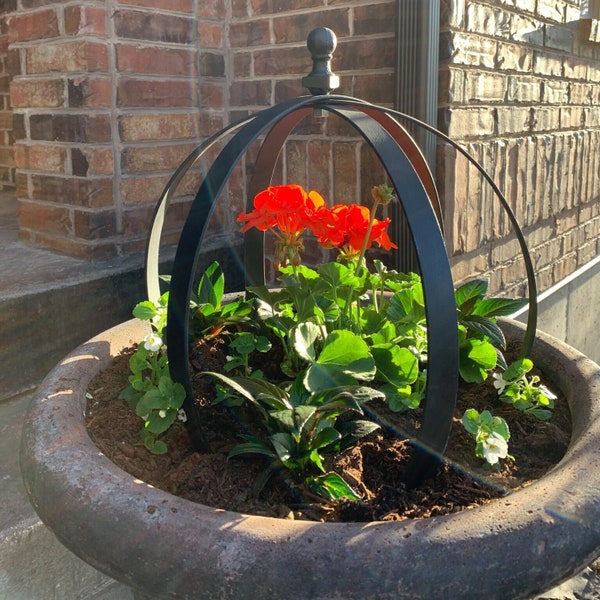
288, 210
349, 230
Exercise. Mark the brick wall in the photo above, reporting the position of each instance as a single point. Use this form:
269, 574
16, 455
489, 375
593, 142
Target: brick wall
7, 167
104, 97
519, 88
109, 97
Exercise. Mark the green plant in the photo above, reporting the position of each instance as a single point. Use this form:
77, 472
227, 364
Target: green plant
342, 326
151, 392
524, 393
301, 425
490, 433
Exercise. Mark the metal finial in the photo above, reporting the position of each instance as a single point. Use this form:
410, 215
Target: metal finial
321, 43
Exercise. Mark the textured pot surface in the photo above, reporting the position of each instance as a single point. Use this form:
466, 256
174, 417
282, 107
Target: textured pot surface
168, 547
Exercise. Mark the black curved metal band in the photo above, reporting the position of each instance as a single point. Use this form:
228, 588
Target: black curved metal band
532, 315
158, 218
186, 256
438, 289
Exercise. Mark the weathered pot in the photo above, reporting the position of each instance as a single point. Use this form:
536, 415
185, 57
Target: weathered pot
168, 547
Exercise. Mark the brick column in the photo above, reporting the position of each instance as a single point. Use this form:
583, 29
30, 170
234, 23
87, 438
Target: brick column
104, 101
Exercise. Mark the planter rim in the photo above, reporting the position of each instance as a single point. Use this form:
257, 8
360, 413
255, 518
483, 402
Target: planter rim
182, 549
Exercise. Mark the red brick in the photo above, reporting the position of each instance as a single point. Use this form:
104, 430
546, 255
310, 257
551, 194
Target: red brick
295, 28
94, 225
140, 190
30, 93
85, 20
210, 9
137, 127
153, 26
154, 158
250, 33
88, 193
210, 34
81, 55
166, 61
50, 159
155, 93
77, 128
211, 95
88, 92
243, 93
43, 217
184, 6
42, 24
100, 161
266, 7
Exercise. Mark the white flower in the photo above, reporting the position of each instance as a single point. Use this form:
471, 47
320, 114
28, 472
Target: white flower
550, 395
495, 447
500, 383
152, 342
162, 413
181, 415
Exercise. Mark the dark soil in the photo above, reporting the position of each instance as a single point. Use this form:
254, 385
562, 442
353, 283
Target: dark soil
375, 467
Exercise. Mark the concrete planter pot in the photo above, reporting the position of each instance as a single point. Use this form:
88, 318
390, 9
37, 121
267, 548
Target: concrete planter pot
167, 547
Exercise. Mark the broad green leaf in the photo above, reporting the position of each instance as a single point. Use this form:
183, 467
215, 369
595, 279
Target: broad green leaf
325, 437
345, 357
284, 445
517, 369
151, 400
486, 327
332, 487
352, 431
157, 424
470, 421
211, 286
395, 365
145, 310
497, 307
477, 357
294, 419
304, 337
471, 290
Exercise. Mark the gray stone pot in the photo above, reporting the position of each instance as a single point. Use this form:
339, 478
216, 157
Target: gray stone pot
167, 547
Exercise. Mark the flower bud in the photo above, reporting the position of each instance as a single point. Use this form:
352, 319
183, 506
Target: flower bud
382, 194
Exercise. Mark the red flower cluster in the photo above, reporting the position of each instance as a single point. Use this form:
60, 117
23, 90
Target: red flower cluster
289, 210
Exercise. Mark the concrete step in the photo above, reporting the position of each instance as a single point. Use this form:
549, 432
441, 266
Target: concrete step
34, 565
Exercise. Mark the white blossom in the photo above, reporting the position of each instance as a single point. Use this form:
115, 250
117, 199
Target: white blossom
181, 415
152, 342
495, 447
162, 413
500, 383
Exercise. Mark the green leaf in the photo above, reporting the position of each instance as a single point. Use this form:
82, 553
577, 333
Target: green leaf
157, 424
252, 448
145, 310
352, 431
304, 337
211, 286
477, 357
155, 446
471, 421
517, 369
486, 327
284, 446
332, 487
294, 419
470, 291
325, 437
395, 364
151, 400
345, 357
497, 307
